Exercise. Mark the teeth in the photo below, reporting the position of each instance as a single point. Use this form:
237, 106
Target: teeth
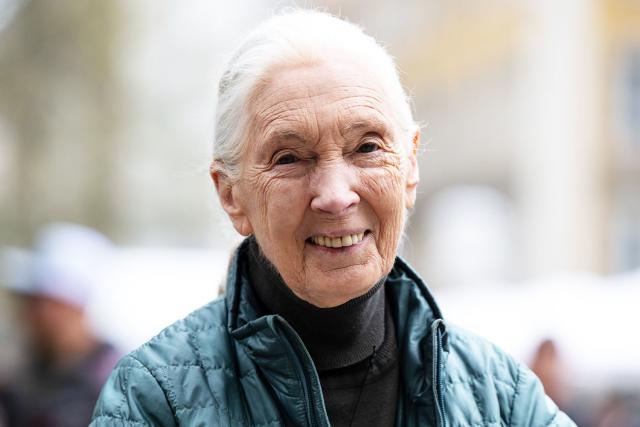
338, 242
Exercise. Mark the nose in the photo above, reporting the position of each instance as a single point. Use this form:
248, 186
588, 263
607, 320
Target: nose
332, 189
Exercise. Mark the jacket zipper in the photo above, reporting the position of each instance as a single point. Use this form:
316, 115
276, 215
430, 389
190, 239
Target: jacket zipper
306, 383
438, 371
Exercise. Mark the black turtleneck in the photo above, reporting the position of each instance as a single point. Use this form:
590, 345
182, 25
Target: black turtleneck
353, 345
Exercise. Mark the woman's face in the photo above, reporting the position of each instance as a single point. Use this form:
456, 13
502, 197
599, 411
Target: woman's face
326, 177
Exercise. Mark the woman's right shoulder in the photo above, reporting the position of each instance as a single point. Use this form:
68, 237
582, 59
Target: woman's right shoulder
145, 383
183, 342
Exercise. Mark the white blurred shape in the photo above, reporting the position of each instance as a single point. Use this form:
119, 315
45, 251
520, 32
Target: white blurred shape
593, 320
468, 236
150, 288
8, 10
66, 264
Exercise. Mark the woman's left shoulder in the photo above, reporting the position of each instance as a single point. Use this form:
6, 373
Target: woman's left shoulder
479, 374
475, 357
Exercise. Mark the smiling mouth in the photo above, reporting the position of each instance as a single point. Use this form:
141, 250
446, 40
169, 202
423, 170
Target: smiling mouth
338, 242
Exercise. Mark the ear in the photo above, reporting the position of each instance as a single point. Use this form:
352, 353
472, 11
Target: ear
413, 174
229, 199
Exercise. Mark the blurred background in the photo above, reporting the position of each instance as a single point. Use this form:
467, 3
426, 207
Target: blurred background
527, 225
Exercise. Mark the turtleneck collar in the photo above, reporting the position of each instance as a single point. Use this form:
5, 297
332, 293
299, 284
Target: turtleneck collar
335, 337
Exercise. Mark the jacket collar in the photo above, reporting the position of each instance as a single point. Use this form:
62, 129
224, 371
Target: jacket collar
421, 332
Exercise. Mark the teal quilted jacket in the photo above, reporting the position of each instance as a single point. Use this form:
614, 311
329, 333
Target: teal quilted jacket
224, 365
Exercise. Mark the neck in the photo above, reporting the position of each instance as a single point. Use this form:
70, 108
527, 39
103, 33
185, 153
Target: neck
335, 337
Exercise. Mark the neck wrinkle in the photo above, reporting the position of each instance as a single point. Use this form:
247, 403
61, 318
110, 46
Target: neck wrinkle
335, 337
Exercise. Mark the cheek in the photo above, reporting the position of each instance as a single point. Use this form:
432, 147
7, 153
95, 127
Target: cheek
277, 212
278, 205
384, 187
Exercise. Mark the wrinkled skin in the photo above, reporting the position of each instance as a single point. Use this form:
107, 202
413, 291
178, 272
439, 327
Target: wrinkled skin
325, 156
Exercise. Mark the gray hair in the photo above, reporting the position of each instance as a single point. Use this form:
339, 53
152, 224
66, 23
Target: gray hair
297, 37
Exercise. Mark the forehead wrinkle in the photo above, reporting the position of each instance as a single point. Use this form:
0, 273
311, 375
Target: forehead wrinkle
372, 102
261, 108
376, 92
372, 99
287, 126
370, 96
278, 110
281, 111
302, 106
294, 94
304, 94
379, 102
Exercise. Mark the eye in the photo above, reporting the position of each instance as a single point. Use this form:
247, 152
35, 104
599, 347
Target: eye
368, 147
286, 159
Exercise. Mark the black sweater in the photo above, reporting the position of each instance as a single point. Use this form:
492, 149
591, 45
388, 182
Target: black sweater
353, 346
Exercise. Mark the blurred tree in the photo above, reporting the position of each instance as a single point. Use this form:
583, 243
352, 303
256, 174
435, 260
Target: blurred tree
57, 100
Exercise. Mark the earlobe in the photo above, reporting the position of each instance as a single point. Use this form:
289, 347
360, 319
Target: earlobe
413, 173
227, 193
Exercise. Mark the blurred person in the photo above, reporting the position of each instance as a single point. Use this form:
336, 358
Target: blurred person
68, 363
619, 410
322, 323
3, 416
547, 365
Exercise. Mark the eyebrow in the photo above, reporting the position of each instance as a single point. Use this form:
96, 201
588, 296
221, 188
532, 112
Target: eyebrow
285, 134
369, 123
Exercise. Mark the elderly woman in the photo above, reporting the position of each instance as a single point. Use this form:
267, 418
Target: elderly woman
322, 323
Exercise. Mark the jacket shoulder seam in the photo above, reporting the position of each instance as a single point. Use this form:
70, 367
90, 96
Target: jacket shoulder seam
179, 328
242, 375
201, 329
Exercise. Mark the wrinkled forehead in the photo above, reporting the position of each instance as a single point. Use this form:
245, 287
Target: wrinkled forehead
313, 98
